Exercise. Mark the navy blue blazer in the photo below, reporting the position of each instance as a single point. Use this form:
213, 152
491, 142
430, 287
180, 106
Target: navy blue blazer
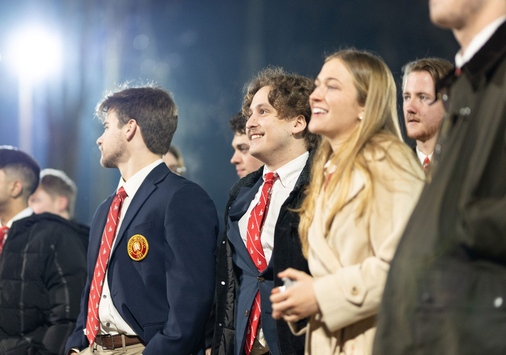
249, 275
166, 297
238, 279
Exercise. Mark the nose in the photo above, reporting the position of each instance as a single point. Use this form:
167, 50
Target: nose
236, 159
316, 95
251, 122
408, 106
99, 141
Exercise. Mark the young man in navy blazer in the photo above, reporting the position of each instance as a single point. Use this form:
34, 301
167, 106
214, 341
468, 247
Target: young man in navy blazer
277, 106
158, 286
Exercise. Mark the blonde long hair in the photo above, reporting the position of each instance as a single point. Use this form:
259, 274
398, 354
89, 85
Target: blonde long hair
376, 92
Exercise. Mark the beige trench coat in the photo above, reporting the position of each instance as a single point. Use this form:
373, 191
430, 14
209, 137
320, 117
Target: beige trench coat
350, 266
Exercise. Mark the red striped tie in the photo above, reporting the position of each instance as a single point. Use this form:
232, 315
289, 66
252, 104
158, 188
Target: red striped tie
97, 283
256, 252
426, 164
3, 236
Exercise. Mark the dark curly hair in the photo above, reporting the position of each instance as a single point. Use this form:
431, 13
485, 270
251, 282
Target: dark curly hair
289, 95
238, 123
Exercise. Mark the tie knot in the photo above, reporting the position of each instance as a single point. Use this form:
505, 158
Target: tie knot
121, 193
4, 230
270, 177
426, 164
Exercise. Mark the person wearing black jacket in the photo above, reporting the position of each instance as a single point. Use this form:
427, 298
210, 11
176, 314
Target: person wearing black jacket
42, 265
278, 112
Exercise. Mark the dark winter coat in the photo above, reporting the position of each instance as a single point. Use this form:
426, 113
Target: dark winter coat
446, 290
42, 274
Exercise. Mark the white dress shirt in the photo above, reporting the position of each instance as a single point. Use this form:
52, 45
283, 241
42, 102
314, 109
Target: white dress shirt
421, 156
22, 214
288, 175
111, 321
477, 42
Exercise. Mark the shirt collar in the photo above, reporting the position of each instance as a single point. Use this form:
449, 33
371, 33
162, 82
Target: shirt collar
291, 170
132, 185
24, 213
422, 156
477, 42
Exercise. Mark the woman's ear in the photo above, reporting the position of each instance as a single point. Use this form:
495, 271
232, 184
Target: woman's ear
361, 114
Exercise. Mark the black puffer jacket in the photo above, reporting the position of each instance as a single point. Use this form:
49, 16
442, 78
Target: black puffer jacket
42, 273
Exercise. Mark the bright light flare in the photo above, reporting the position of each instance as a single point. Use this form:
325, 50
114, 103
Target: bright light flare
34, 53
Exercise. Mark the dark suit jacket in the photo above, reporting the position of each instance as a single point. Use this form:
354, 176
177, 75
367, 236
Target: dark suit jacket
166, 297
238, 279
446, 289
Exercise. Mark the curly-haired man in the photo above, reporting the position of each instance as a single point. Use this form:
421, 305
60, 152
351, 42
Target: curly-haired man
277, 106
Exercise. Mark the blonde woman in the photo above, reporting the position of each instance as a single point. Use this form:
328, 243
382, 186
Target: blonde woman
365, 182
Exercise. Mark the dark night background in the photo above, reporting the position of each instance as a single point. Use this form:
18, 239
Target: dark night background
202, 51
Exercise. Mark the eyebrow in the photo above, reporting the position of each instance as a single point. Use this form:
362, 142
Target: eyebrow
416, 93
262, 104
325, 80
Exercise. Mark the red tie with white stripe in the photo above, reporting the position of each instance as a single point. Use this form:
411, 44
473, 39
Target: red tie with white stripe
4, 230
426, 164
97, 283
256, 252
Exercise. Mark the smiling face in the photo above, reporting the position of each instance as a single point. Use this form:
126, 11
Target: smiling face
112, 142
244, 162
271, 137
334, 105
422, 115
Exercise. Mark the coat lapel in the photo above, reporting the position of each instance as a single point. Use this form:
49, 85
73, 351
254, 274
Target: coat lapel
237, 211
319, 241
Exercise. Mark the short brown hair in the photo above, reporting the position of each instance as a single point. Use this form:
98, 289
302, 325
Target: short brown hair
438, 68
56, 183
289, 95
151, 107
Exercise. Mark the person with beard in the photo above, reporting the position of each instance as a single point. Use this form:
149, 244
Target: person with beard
423, 114
151, 269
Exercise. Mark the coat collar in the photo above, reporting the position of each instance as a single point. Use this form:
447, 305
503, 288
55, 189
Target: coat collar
482, 64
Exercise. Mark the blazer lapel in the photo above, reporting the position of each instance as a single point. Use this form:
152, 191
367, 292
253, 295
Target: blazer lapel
147, 187
237, 211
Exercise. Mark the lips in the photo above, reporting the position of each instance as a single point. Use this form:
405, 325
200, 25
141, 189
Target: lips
318, 111
412, 120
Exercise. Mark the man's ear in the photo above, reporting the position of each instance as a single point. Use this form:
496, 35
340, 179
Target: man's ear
299, 125
62, 203
16, 188
130, 129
